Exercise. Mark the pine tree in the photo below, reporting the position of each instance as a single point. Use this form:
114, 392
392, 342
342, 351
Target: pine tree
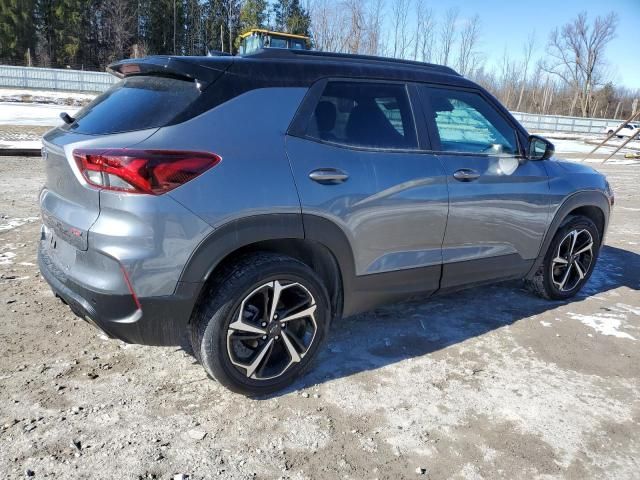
17, 29
67, 29
291, 17
253, 14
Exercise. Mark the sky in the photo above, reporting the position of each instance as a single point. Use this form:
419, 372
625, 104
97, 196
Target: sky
507, 24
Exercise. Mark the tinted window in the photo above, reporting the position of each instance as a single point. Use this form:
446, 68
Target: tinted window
466, 122
364, 114
278, 43
136, 103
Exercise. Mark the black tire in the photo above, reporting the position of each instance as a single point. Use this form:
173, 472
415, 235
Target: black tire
220, 307
543, 284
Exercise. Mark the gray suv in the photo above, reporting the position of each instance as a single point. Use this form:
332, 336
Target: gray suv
247, 202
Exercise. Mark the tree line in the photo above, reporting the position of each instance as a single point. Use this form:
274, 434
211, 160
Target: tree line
92, 33
566, 73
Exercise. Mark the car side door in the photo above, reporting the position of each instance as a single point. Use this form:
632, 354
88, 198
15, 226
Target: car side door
359, 167
498, 201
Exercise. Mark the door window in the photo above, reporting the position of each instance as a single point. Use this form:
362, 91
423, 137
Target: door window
466, 122
364, 114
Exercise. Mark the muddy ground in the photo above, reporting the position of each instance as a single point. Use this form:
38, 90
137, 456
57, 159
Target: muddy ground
488, 383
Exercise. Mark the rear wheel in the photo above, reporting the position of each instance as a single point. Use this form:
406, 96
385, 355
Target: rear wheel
261, 325
570, 260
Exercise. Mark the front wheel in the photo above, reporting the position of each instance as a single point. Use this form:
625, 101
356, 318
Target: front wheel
570, 260
261, 324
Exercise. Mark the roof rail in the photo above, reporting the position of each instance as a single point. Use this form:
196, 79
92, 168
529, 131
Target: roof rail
347, 57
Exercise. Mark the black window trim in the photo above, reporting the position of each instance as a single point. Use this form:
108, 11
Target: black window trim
432, 128
302, 118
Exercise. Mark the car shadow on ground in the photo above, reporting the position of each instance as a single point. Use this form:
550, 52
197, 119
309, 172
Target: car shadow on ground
421, 326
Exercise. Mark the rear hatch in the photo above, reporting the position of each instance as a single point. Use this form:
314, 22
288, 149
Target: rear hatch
153, 93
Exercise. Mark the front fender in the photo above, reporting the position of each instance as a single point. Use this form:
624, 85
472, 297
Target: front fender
589, 198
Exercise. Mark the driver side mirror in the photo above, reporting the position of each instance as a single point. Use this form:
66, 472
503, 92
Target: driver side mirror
539, 148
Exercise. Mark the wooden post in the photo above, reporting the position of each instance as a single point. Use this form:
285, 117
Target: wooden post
623, 144
622, 125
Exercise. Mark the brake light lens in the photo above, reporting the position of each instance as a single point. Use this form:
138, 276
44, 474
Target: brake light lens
152, 172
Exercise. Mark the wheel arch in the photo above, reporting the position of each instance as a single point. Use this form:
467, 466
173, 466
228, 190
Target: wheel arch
277, 233
592, 204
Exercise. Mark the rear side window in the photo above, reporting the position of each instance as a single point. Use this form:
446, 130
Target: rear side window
136, 103
364, 114
467, 123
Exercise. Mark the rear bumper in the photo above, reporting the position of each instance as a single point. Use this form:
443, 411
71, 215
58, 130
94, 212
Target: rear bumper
160, 320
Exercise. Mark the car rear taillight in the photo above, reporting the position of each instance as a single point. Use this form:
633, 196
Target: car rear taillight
142, 171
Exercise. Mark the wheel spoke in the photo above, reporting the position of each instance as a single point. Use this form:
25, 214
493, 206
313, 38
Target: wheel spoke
584, 249
256, 362
240, 326
579, 269
295, 356
565, 278
299, 305
574, 237
265, 305
560, 260
277, 289
307, 312
265, 363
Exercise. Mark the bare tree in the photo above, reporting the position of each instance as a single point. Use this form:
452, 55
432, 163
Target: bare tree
120, 25
468, 54
328, 25
400, 19
356, 26
426, 41
527, 52
576, 55
373, 21
447, 35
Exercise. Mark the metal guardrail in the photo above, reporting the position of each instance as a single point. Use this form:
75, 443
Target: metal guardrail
55, 79
557, 123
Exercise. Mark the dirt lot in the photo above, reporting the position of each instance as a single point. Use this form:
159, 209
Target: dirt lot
488, 383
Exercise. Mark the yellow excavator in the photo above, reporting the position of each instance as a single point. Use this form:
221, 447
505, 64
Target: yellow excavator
258, 38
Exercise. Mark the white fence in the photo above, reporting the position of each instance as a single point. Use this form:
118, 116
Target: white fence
557, 123
55, 79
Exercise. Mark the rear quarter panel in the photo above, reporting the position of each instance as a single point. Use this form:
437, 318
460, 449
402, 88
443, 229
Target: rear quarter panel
254, 176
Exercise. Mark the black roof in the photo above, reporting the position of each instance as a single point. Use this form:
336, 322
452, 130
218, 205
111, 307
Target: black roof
285, 67
347, 59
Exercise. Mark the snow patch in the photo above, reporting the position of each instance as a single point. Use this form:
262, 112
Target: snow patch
605, 323
16, 222
33, 114
6, 258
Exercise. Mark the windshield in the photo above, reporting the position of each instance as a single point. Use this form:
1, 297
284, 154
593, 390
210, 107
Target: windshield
251, 44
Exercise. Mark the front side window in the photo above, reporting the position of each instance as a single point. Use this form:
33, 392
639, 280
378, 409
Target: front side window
364, 114
467, 123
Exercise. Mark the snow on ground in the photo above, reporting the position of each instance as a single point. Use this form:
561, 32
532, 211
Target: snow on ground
20, 92
21, 144
33, 114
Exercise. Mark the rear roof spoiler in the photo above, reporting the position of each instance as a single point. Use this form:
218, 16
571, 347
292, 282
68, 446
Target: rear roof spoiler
186, 68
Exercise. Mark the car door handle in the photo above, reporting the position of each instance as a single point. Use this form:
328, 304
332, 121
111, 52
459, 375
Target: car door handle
466, 175
328, 176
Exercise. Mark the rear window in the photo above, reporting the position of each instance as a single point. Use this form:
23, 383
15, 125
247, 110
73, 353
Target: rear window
136, 103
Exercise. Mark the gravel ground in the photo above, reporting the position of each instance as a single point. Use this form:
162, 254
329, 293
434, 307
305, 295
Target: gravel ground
487, 383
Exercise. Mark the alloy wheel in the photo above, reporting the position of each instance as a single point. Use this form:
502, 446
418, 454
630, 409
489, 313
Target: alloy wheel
273, 330
573, 260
